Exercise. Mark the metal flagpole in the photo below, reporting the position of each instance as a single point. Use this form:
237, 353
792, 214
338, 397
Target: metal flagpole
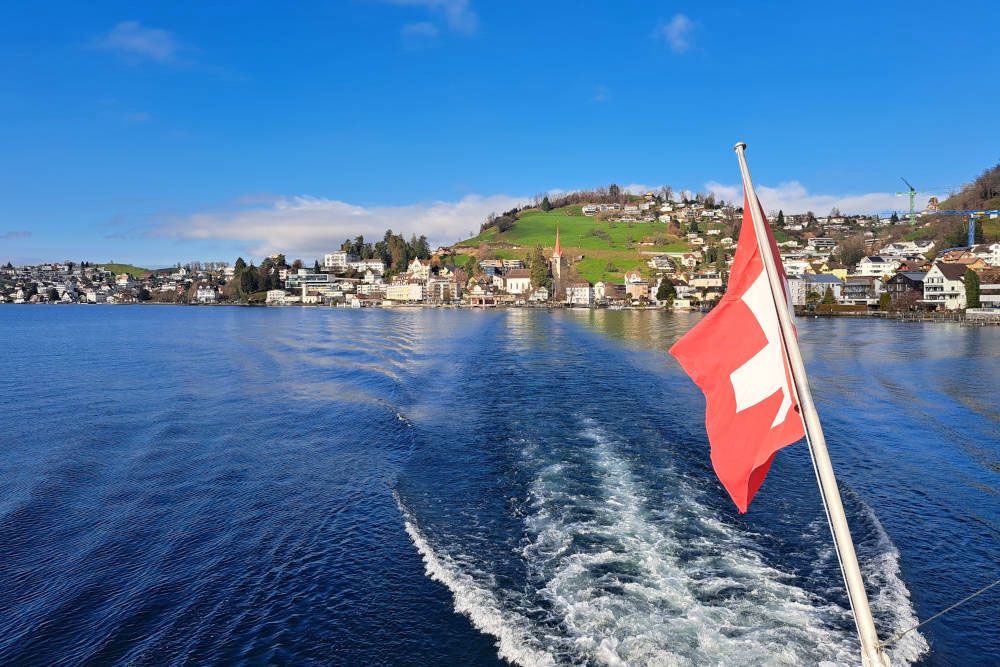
871, 650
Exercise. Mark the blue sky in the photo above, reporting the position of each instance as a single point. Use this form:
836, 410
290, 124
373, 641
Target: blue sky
161, 131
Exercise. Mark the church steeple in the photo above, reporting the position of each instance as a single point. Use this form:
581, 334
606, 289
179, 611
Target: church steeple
557, 258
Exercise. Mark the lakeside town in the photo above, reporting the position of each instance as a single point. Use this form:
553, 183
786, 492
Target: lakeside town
681, 248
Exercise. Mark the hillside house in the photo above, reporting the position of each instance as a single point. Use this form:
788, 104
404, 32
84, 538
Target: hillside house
988, 252
877, 266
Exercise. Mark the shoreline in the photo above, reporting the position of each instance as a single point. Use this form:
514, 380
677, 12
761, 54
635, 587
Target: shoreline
980, 318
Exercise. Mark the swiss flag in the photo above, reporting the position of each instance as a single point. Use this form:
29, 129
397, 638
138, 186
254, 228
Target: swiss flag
737, 357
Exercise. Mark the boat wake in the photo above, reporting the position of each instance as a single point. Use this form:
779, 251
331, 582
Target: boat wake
618, 574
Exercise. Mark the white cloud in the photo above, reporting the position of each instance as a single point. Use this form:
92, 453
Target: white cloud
677, 33
307, 227
457, 14
132, 39
793, 197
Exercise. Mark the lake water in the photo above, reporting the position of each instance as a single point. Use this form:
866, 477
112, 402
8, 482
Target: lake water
418, 487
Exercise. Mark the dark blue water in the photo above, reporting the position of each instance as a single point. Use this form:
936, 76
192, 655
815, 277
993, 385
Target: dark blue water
309, 486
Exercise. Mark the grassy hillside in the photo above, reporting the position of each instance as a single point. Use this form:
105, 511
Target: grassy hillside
125, 268
609, 249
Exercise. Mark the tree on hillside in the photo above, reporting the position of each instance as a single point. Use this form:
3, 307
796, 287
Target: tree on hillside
546, 204
422, 249
296, 265
666, 292
982, 193
614, 192
781, 218
828, 297
539, 268
51, 294
894, 219
851, 249
240, 266
316, 267
834, 212
972, 289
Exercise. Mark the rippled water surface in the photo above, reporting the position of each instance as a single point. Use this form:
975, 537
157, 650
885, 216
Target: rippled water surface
415, 487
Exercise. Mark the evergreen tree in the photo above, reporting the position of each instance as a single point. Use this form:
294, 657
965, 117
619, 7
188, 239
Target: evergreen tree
781, 217
828, 297
884, 301
666, 292
144, 294
894, 219
546, 204
316, 266
423, 248
972, 289
51, 294
240, 266
539, 269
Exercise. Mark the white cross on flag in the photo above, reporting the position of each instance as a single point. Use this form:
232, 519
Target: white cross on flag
737, 357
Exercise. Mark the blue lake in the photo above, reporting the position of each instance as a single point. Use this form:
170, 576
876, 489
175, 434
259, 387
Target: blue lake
427, 487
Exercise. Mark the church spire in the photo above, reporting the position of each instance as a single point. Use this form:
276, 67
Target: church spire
558, 251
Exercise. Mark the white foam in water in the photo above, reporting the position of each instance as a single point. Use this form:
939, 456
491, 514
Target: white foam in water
624, 585
475, 600
893, 597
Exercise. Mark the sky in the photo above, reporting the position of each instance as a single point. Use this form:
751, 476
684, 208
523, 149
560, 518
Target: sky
161, 132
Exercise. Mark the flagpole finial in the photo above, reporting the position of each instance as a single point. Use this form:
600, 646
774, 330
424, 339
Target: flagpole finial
739, 145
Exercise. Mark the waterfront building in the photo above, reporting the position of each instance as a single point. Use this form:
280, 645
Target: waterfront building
862, 290
579, 293
906, 288
275, 297
989, 288
944, 286
517, 281
411, 291
205, 294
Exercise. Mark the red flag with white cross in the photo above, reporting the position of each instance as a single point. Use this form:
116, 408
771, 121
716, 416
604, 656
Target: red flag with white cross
737, 356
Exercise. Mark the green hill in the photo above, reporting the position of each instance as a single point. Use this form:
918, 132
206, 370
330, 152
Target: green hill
608, 248
125, 268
